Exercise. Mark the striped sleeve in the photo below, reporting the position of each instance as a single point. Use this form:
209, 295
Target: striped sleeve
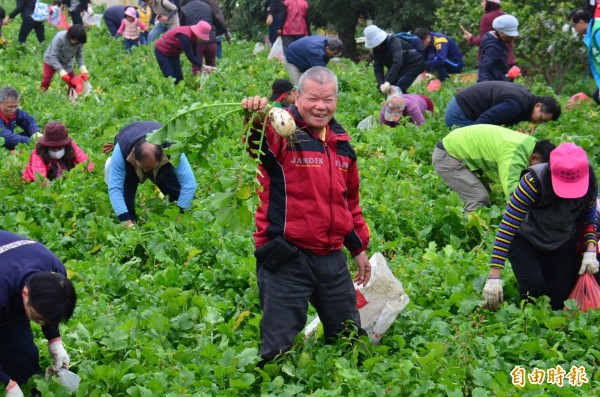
588, 222
521, 201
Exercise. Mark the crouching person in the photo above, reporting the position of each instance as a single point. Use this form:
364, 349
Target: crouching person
33, 287
54, 154
552, 209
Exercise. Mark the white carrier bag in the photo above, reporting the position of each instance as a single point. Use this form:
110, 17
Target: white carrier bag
378, 303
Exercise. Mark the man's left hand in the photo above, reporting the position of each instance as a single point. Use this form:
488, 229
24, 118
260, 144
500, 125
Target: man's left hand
364, 269
60, 358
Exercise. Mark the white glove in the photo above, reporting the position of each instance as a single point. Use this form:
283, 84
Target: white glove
60, 358
13, 390
493, 294
385, 87
589, 263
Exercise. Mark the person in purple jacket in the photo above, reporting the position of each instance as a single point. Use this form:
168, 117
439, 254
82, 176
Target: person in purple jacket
310, 51
33, 287
11, 116
413, 106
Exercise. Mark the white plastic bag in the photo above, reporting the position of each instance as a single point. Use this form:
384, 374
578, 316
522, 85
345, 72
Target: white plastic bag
67, 379
276, 50
40, 11
91, 20
367, 123
258, 47
379, 302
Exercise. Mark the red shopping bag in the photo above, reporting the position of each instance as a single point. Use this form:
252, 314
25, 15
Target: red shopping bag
586, 292
64, 22
77, 83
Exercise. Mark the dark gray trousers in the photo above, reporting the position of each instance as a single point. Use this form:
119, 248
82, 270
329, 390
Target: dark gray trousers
325, 281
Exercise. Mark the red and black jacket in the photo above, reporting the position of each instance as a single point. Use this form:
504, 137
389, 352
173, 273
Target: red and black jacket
310, 191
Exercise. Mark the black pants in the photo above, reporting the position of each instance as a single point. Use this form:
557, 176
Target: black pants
285, 292
540, 272
76, 14
166, 180
19, 356
27, 25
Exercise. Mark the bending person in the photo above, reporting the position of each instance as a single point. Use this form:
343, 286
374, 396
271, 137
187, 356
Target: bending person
134, 160
553, 207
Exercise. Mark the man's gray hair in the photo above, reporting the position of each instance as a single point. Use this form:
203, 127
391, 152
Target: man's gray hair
335, 45
318, 74
9, 93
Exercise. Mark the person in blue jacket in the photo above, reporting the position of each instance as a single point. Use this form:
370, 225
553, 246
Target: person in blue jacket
310, 51
134, 160
585, 25
493, 59
33, 287
441, 53
12, 116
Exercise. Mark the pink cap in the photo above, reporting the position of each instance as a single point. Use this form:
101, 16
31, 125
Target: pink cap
202, 30
130, 11
570, 170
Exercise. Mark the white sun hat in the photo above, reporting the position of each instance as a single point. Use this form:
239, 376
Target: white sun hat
374, 36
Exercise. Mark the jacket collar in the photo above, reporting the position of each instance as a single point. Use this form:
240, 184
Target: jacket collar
8, 119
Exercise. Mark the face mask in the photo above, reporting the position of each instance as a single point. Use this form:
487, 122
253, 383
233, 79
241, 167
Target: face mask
56, 155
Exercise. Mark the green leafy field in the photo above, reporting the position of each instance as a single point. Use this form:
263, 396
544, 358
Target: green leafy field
170, 308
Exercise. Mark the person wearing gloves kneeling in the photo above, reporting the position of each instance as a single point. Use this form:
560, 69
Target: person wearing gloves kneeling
64, 48
33, 287
403, 63
553, 206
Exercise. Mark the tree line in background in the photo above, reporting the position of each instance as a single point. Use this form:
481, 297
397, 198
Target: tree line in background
544, 47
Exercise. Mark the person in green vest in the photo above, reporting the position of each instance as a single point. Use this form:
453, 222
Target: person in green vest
499, 154
588, 27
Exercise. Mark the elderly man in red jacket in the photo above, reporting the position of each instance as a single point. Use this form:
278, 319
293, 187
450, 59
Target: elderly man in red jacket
309, 211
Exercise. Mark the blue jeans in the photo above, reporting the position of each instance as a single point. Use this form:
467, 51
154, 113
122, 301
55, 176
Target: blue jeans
156, 31
219, 47
131, 43
455, 115
144, 38
170, 66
